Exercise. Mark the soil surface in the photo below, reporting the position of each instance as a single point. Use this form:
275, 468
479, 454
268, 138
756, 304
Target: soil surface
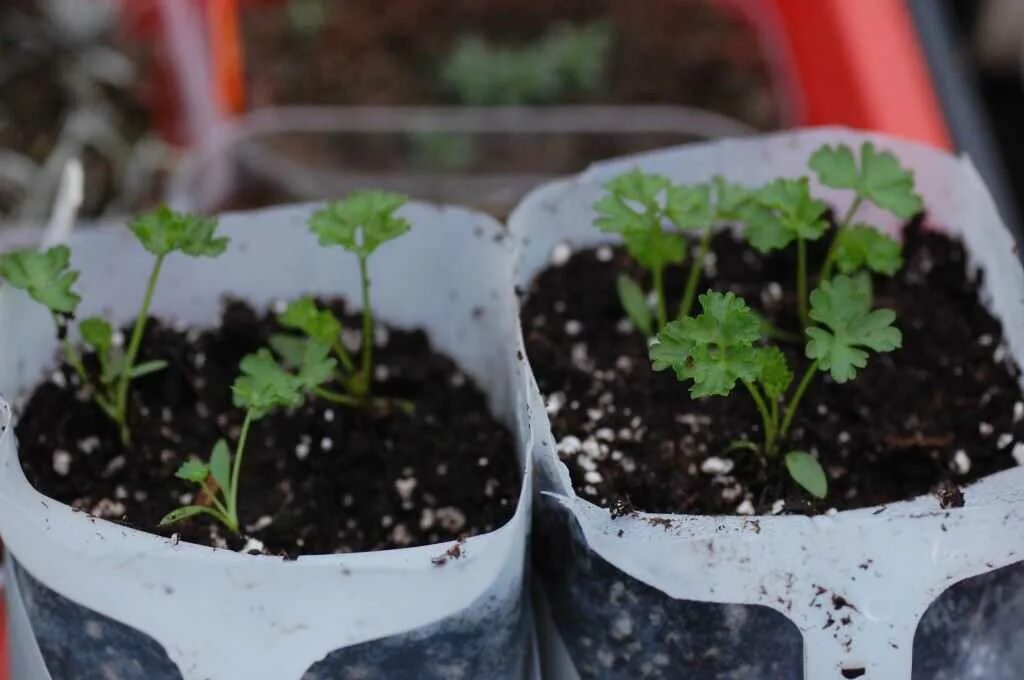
320, 479
941, 412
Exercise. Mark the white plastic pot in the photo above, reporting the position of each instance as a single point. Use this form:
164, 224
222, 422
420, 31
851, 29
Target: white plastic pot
98, 600
928, 594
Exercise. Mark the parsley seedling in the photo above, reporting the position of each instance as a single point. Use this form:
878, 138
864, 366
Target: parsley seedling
48, 280
360, 224
880, 179
649, 212
263, 387
786, 212
719, 348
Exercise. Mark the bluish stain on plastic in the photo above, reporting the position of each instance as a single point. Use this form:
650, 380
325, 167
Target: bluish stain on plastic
974, 630
618, 628
490, 639
78, 643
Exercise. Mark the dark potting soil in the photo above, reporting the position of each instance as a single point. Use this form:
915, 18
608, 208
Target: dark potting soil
941, 412
320, 479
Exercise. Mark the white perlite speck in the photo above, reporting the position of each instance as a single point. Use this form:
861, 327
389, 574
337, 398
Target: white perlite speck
61, 462
961, 462
328, 415
1018, 411
555, 403
1004, 440
985, 429
593, 477
569, 444
405, 487
1018, 453
716, 466
573, 327
58, 379
560, 254
745, 508
604, 254
253, 545
326, 444
777, 506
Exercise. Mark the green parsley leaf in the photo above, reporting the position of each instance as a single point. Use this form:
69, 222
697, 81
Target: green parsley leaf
733, 200
44, 276
193, 470
775, 374
784, 212
165, 231
807, 472
265, 386
843, 305
220, 465
861, 246
316, 367
304, 315
713, 349
632, 210
635, 303
880, 178
689, 207
98, 334
361, 222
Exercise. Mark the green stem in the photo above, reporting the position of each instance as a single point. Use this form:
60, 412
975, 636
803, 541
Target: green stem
797, 396
694, 277
801, 281
659, 291
212, 495
236, 470
830, 257
74, 360
382, 404
854, 207
121, 404
343, 357
367, 365
766, 418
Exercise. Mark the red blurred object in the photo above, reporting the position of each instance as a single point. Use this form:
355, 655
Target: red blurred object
226, 54
858, 63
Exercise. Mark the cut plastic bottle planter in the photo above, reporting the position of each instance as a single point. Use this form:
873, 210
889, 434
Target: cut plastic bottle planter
92, 599
749, 598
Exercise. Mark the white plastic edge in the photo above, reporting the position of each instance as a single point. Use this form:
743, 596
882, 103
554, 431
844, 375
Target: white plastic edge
917, 550
229, 616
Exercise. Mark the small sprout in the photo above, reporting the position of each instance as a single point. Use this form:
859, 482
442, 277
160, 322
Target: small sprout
263, 387
360, 224
843, 305
719, 348
880, 179
786, 212
650, 214
807, 472
47, 279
